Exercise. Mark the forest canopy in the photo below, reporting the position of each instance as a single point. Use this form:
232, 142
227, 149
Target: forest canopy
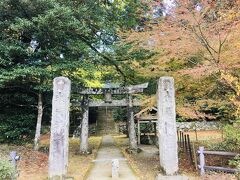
43, 39
127, 42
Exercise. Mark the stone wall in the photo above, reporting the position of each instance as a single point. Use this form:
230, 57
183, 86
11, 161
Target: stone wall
186, 126
199, 125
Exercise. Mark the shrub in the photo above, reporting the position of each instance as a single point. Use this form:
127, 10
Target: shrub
175, 64
194, 60
120, 114
17, 128
236, 163
232, 138
7, 170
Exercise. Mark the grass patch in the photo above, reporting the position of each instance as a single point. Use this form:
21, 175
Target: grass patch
79, 165
145, 167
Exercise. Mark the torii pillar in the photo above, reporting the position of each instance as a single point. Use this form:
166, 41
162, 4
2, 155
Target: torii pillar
84, 127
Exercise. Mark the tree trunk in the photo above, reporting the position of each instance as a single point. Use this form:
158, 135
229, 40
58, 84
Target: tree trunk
39, 122
84, 128
127, 126
132, 131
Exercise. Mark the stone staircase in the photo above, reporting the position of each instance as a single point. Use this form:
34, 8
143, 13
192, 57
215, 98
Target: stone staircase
105, 122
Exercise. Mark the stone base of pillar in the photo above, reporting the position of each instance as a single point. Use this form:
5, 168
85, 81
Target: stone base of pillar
57, 178
175, 177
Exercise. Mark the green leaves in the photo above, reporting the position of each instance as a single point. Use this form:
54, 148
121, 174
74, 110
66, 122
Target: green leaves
7, 170
17, 128
21, 24
33, 35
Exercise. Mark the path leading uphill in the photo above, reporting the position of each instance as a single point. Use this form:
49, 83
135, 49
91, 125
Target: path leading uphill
102, 165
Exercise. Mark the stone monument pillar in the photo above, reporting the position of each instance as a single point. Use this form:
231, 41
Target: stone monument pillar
167, 130
58, 153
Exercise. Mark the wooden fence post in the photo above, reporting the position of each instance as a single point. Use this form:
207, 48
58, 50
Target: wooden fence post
139, 132
201, 160
178, 136
195, 130
189, 148
185, 145
182, 140
195, 157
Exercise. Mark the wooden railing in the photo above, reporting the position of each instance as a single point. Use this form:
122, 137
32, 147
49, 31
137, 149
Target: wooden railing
186, 146
202, 166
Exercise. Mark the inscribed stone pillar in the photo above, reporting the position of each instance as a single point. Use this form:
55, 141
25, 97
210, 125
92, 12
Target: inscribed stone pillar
84, 127
167, 130
58, 153
132, 131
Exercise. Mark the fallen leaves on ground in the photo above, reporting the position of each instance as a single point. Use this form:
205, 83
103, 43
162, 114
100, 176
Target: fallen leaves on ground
34, 164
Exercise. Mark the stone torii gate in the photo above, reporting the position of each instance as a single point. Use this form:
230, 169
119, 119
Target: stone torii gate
108, 91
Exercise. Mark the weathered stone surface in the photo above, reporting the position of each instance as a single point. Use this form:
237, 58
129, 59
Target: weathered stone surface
115, 168
84, 128
177, 177
199, 125
58, 155
91, 131
116, 90
167, 130
113, 103
132, 131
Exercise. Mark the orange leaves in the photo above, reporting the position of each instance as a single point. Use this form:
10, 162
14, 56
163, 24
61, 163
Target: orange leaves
234, 83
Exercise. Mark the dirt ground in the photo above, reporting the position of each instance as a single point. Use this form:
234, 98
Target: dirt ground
34, 164
215, 135
147, 167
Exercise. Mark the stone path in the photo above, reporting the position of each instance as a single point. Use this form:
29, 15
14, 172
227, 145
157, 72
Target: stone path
102, 169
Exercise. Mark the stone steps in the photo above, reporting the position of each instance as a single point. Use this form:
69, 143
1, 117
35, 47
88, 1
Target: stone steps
105, 122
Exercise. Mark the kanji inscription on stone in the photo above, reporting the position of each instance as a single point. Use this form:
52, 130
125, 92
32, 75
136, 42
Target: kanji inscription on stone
58, 153
167, 125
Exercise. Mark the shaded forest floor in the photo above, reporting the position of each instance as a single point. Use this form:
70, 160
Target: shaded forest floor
34, 164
